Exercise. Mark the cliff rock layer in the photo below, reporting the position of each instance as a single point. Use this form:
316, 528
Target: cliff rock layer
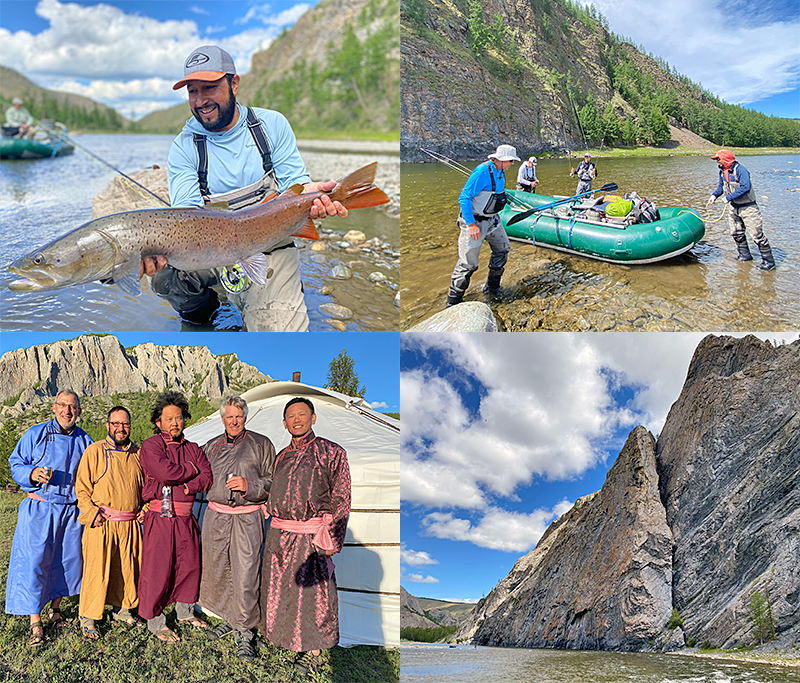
728, 459
93, 365
601, 575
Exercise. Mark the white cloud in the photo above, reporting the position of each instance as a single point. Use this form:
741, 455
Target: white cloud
739, 57
419, 578
264, 15
497, 530
379, 404
547, 411
415, 558
99, 50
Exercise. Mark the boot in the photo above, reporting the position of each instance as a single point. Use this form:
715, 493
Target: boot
744, 250
457, 289
454, 299
767, 260
492, 285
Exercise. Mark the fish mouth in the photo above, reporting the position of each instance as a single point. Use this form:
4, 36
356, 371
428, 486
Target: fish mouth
31, 282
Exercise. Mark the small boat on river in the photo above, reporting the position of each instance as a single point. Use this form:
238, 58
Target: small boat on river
44, 143
582, 228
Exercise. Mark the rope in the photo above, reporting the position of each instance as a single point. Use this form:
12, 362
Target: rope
708, 218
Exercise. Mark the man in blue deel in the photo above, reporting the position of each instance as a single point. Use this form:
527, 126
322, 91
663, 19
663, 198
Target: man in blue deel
46, 552
482, 198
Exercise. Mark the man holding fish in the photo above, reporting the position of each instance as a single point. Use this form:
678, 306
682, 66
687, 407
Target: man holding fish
241, 156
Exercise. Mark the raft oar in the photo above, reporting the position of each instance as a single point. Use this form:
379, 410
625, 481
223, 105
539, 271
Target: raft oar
609, 187
66, 137
463, 170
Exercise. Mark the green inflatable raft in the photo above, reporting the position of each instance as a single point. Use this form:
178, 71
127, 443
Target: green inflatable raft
46, 143
579, 229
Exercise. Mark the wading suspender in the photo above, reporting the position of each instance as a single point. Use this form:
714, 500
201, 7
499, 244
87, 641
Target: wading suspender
254, 126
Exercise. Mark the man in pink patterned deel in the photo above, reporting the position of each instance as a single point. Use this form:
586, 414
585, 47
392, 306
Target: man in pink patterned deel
310, 504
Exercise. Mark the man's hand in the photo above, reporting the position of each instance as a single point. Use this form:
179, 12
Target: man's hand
712, 199
237, 484
474, 231
151, 265
40, 475
323, 206
99, 520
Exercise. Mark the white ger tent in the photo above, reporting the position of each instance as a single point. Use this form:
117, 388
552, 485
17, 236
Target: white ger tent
368, 568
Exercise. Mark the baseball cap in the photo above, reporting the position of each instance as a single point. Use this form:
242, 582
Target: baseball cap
505, 153
532, 160
206, 63
725, 156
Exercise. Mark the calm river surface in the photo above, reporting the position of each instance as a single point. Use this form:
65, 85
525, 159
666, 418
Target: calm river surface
441, 664
45, 198
705, 289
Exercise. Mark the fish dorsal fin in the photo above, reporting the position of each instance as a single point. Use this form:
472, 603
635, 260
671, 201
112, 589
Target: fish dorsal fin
307, 230
297, 188
256, 267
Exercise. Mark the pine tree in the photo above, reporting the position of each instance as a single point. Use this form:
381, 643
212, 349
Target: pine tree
342, 376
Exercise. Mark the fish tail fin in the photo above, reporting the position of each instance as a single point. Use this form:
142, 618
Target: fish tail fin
356, 191
307, 230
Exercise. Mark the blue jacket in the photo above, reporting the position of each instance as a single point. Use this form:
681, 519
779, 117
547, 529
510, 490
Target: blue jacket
736, 173
480, 181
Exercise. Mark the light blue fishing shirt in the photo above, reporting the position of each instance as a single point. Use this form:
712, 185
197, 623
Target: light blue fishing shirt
480, 181
233, 158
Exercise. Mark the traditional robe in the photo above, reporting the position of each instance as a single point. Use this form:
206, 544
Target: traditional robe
299, 600
232, 542
46, 551
109, 476
171, 549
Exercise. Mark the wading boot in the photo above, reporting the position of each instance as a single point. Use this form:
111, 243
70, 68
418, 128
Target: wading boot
767, 259
492, 285
457, 290
743, 249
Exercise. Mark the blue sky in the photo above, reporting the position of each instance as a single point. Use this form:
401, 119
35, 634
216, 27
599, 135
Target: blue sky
128, 54
280, 354
502, 433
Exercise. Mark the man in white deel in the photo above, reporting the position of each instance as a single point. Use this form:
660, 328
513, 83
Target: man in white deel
241, 155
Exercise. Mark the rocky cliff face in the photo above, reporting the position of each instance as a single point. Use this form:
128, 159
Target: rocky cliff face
699, 523
600, 578
98, 365
728, 459
411, 613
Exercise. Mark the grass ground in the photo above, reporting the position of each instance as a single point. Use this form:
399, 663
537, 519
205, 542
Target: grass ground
133, 655
679, 151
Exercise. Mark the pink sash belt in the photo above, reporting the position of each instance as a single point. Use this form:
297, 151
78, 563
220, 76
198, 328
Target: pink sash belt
113, 515
36, 496
319, 526
183, 508
239, 510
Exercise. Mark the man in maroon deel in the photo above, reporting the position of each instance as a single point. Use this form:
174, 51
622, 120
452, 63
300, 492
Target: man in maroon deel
174, 471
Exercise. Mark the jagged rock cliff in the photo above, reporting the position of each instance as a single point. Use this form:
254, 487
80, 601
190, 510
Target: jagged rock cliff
411, 612
699, 523
728, 460
98, 365
600, 577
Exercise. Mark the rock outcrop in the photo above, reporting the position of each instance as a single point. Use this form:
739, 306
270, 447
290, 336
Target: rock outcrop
728, 459
95, 365
600, 577
411, 613
698, 523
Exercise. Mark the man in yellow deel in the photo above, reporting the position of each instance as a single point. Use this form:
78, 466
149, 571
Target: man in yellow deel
108, 485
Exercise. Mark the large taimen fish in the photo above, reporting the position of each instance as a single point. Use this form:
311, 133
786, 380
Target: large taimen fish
112, 247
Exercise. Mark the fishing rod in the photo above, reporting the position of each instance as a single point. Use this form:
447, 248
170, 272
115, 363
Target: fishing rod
83, 149
463, 170
608, 187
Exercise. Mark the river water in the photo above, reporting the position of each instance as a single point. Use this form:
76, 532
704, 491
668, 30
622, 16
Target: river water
442, 664
45, 198
705, 289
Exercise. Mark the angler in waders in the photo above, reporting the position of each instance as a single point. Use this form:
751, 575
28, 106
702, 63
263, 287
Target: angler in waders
734, 183
482, 198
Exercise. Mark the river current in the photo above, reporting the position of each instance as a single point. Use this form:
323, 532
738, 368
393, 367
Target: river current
705, 289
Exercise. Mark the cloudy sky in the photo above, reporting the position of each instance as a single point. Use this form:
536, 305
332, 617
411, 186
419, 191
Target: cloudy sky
502, 432
745, 51
128, 54
278, 355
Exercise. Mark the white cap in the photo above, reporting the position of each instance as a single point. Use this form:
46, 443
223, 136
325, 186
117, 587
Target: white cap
206, 63
505, 153
532, 160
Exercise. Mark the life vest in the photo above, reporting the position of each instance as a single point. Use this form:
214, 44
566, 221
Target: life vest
487, 203
731, 184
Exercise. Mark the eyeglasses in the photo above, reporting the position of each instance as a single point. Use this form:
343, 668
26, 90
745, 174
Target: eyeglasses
127, 425
64, 406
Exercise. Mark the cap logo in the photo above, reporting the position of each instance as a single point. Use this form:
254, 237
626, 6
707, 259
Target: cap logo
196, 59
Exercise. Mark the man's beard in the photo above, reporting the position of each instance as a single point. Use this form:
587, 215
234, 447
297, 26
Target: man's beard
225, 114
